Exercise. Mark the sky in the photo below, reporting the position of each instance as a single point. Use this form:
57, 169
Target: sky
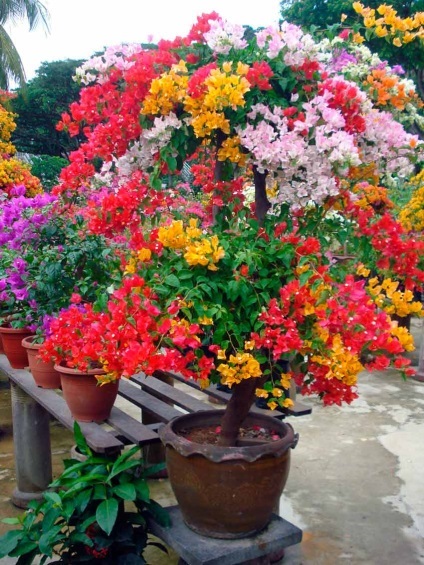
79, 28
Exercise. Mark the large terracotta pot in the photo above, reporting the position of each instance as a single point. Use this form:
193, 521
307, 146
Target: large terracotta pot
12, 344
44, 374
87, 401
227, 492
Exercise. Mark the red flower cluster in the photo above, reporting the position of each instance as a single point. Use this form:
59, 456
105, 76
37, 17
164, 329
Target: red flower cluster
346, 98
259, 74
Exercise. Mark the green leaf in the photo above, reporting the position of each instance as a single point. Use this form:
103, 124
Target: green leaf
53, 497
142, 489
106, 514
83, 498
153, 469
99, 492
50, 518
11, 521
160, 514
9, 541
24, 548
126, 491
173, 281
80, 440
123, 466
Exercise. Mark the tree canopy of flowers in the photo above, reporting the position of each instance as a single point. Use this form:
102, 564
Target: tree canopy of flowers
234, 167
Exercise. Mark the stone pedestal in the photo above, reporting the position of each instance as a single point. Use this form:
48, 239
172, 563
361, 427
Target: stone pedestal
31, 438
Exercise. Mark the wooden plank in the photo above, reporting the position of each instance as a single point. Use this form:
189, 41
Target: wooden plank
298, 409
153, 406
97, 437
168, 393
225, 397
135, 431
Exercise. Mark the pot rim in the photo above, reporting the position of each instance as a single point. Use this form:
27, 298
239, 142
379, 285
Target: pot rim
4, 328
169, 437
64, 370
27, 342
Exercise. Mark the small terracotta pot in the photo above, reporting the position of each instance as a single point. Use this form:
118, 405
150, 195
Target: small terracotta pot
45, 375
87, 401
12, 344
227, 492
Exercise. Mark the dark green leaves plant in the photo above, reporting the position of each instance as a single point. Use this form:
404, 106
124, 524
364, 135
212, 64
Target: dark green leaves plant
96, 512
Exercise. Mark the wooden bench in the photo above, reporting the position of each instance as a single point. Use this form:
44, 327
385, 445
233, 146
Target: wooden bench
153, 400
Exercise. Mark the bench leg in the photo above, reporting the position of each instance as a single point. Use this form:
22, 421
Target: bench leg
31, 438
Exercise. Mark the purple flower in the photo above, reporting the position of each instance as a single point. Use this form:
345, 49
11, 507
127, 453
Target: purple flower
341, 59
18, 190
398, 69
20, 294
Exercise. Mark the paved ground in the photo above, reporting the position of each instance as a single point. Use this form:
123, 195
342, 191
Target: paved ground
356, 486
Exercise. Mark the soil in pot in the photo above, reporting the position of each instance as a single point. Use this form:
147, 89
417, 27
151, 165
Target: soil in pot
44, 374
227, 492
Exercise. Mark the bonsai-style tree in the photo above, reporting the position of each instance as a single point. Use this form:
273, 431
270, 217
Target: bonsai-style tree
235, 170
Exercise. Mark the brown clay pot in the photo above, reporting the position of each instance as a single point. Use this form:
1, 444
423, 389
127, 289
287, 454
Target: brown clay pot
86, 400
227, 492
44, 374
12, 344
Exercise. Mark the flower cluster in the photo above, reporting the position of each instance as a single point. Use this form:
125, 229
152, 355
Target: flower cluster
412, 214
386, 23
13, 172
45, 257
219, 286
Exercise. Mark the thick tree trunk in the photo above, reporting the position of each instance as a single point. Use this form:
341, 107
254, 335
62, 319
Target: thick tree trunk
237, 409
262, 203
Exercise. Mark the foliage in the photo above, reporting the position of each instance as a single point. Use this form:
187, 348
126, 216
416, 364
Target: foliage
231, 275
47, 168
34, 12
46, 257
319, 15
39, 107
95, 512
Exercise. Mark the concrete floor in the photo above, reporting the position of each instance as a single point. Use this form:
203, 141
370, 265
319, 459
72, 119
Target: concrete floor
356, 485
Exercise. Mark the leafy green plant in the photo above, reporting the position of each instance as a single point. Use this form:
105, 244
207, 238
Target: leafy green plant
47, 168
95, 512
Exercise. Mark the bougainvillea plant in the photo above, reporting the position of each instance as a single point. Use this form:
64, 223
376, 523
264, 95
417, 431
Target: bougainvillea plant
229, 163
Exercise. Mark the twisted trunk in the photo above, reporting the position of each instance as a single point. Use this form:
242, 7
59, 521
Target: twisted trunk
243, 394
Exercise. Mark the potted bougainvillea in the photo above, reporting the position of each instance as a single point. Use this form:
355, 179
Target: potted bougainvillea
236, 166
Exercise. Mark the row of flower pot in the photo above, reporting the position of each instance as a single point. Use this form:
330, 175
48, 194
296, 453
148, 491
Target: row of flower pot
87, 402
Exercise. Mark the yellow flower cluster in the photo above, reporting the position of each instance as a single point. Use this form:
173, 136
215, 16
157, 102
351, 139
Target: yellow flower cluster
167, 91
206, 252
341, 364
230, 149
403, 335
222, 89
143, 255
276, 393
7, 126
198, 250
14, 172
412, 215
387, 23
393, 301
237, 368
